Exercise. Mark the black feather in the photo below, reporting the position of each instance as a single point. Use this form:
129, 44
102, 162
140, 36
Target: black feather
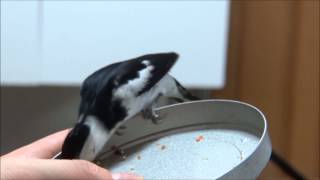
186, 94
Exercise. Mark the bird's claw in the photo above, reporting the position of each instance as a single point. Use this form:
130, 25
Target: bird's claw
120, 130
119, 133
119, 152
151, 114
156, 119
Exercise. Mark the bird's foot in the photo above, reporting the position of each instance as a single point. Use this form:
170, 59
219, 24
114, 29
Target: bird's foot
150, 113
120, 131
119, 152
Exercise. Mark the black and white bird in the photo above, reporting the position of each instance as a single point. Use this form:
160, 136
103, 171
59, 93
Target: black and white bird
116, 93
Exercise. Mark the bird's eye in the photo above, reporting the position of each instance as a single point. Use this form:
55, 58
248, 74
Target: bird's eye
116, 82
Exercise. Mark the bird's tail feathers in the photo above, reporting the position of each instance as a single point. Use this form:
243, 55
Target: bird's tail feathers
185, 94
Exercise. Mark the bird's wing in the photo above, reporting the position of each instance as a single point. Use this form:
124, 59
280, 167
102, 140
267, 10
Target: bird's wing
93, 84
143, 72
96, 87
103, 91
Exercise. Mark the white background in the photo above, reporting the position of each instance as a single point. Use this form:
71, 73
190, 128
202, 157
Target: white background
60, 43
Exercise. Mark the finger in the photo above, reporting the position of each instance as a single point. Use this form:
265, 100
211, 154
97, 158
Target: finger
17, 168
56, 169
120, 176
44, 148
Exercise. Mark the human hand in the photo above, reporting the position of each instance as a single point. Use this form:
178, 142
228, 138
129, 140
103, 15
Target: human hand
34, 161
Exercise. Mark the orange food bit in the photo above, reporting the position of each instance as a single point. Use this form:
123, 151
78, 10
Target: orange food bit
199, 138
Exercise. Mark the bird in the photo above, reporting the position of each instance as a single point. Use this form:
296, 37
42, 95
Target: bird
114, 94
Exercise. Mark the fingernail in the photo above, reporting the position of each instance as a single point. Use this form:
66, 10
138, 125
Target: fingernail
126, 176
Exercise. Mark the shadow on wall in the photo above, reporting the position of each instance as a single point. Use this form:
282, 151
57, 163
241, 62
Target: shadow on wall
29, 113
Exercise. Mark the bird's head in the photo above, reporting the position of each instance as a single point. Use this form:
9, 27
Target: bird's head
75, 141
85, 140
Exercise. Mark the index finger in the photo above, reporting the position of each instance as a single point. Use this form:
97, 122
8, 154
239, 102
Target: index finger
44, 148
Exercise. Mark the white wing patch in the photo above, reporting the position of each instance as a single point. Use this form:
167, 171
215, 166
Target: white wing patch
135, 85
96, 140
134, 104
146, 62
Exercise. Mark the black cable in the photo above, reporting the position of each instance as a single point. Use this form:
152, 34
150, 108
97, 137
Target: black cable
286, 167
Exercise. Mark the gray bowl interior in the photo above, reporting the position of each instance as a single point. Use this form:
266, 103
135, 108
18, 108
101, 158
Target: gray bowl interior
207, 139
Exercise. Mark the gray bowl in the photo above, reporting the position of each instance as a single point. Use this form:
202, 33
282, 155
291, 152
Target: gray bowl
208, 139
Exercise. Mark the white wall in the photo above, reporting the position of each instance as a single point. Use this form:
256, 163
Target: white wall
57, 42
